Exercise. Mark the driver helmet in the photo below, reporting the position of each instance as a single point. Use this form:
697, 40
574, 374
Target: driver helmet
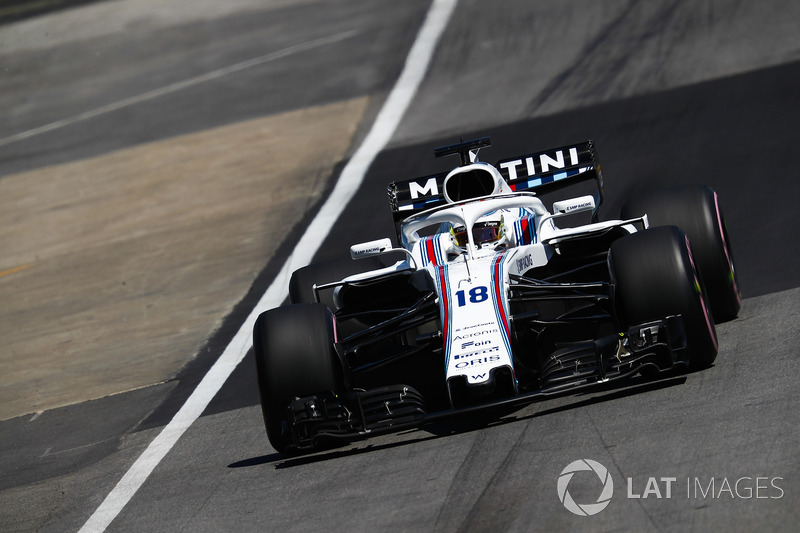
487, 233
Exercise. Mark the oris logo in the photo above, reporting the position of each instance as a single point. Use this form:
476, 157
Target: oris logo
585, 509
478, 362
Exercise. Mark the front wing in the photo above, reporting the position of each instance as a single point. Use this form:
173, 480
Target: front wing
651, 347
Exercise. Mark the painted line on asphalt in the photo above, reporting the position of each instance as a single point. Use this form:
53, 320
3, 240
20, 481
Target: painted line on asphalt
348, 183
191, 82
14, 270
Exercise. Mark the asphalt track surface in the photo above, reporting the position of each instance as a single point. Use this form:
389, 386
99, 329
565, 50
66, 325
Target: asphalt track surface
735, 422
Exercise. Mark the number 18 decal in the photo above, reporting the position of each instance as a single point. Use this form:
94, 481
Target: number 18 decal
476, 295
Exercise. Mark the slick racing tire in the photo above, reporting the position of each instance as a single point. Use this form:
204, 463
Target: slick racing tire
301, 285
654, 277
696, 210
295, 357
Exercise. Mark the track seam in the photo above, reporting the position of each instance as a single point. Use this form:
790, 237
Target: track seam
178, 86
352, 176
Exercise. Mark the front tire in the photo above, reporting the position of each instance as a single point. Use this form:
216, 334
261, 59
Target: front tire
654, 276
695, 209
295, 357
301, 285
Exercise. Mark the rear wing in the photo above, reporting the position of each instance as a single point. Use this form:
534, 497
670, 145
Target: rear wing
547, 171
540, 172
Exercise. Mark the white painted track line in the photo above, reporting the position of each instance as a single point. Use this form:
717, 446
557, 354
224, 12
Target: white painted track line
349, 182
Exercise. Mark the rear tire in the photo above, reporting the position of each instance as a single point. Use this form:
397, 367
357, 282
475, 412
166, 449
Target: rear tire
655, 277
295, 357
695, 209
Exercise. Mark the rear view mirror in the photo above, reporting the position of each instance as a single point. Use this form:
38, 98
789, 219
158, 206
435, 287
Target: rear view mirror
574, 205
370, 249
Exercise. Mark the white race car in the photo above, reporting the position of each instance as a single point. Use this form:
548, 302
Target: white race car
492, 300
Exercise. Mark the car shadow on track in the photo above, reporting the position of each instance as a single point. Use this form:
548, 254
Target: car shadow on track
637, 385
288, 461
473, 422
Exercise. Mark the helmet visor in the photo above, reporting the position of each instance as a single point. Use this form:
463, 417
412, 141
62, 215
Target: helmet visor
486, 233
482, 232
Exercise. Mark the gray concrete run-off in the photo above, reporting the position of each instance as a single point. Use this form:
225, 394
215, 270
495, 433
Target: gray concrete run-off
522, 59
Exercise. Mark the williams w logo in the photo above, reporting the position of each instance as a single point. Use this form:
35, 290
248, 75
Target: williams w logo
586, 509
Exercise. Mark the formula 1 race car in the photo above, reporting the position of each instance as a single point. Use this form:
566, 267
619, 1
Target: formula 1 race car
490, 302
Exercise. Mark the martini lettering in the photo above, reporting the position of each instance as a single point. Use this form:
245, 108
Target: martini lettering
416, 190
545, 164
